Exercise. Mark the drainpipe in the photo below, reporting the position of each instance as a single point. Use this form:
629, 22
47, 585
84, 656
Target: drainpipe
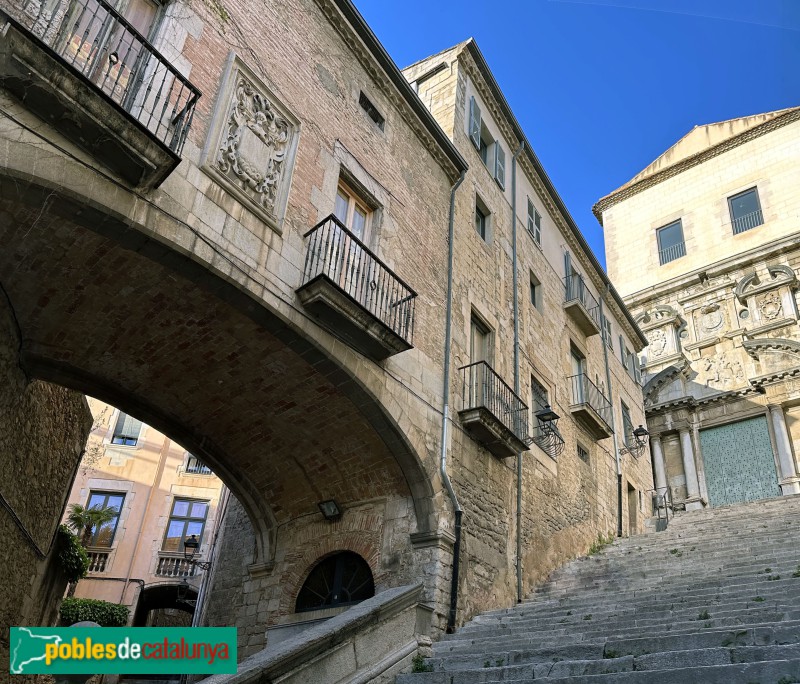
516, 356
614, 431
451, 616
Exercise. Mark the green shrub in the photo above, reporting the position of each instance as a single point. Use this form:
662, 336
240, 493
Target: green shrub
72, 557
103, 613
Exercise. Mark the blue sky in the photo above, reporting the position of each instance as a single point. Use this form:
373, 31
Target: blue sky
603, 87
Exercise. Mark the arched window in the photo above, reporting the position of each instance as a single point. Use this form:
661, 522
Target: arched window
339, 580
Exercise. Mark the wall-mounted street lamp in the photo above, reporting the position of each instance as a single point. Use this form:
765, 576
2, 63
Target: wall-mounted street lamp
546, 434
190, 548
330, 510
640, 439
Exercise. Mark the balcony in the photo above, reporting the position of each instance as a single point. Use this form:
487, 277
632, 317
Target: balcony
747, 222
354, 294
98, 560
671, 253
590, 406
82, 68
174, 566
492, 413
581, 304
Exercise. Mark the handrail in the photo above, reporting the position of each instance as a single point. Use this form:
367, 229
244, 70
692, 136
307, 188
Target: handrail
661, 500
483, 387
336, 253
94, 39
584, 391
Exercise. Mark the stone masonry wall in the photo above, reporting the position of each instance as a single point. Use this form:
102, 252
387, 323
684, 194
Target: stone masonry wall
42, 432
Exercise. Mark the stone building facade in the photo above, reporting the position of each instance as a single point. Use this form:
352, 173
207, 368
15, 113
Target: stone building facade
703, 245
163, 495
261, 253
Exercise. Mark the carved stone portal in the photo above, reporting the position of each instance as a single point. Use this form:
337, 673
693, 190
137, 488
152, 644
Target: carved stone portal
254, 140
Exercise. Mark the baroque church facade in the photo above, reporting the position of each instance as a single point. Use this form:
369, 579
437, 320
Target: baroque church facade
713, 224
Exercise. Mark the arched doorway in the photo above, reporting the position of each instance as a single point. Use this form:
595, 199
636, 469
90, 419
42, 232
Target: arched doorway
169, 604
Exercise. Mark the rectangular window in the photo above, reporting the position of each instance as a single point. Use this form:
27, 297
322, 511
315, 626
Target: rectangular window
104, 534
536, 292
538, 395
534, 223
583, 453
745, 211
480, 342
371, 110
670, 242
188, 518
627, 425
352, 211
127, 430
482, 215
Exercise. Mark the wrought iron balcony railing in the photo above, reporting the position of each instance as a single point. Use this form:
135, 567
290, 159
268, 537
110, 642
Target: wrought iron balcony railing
337, 254
672, 253
584, 392
747, 222
102, 46
575, 289
483, 388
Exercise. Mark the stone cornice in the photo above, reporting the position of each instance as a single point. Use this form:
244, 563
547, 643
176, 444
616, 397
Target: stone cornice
696, 159
355, 32
770, 344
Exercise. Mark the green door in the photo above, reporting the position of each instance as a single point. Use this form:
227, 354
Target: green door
738, 461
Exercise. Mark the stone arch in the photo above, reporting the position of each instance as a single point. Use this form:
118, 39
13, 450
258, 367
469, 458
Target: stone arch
65, 226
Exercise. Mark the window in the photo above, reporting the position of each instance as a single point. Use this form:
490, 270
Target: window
127, 430
745, 211
536, 292
194, 466
104, 534
491, 152
534, 223
583, 453
627, 425
482, 219
499, 165
188, 518
538, 395
338, 580
475, 124
352, 211
607, 332
670, 242
480, 341
371, 110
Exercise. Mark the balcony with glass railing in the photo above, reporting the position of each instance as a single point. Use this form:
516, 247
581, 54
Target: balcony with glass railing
581, 305
353, 293
84, 69
491, 411
747, 222
590, 406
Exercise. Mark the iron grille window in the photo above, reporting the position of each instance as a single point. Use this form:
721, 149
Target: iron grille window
371, 110
127, 430
188, 517
671, 245
104, 534
745, 211
583, 453
338, 580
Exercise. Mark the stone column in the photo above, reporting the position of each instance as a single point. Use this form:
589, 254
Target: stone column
659, 470
788, 475
693, 501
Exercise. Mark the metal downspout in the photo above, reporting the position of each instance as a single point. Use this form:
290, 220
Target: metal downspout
613, 428
516, 356
451, 615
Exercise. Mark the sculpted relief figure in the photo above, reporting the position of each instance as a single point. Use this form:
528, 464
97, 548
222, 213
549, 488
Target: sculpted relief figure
722, 372
658, 342
770, 305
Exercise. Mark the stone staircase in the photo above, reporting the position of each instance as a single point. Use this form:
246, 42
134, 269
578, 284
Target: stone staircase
711, 600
